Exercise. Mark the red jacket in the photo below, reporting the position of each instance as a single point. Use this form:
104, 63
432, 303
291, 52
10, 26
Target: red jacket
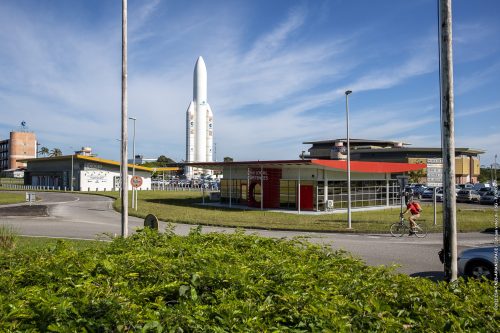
414, 208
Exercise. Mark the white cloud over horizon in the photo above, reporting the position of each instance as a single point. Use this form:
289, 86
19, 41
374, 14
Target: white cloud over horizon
270, 88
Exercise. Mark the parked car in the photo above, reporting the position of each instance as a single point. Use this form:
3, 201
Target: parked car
483, 190
419, 190
468, 196
489, 198
439, 194
477, 262
428, 193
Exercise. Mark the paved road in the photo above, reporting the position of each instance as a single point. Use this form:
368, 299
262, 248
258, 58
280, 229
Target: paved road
87, 216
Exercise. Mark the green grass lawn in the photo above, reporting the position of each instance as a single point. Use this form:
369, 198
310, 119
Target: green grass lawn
182, 207
11, 198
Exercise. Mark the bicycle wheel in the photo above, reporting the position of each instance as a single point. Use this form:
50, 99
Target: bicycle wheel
420, 231
398, 229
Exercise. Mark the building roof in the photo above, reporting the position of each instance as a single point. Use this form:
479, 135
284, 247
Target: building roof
356, 166
391, 146
97, 160
417, 149
357, 141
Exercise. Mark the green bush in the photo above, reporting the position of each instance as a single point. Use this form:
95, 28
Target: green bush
8, 237
155, 282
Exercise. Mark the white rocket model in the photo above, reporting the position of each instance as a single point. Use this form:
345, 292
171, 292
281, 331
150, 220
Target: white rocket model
199, 122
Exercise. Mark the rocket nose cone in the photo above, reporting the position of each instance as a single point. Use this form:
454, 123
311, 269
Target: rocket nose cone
200, 64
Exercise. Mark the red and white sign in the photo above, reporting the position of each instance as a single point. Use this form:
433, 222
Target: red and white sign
136, 181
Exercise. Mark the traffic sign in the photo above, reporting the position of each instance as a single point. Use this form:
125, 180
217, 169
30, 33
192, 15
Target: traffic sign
136, 181
30, 197
151, 221
435, 172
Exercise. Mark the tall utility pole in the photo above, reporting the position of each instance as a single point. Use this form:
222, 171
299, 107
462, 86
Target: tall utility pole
124, 171
448, 137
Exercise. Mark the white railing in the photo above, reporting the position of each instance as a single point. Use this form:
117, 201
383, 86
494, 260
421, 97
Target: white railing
155, 187
183, 187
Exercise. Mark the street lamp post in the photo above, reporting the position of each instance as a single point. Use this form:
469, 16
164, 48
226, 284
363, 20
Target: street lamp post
121, 180
72, 167
347, 93
134, 194
496, 167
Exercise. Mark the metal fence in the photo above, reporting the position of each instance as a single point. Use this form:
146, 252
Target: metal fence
154, 187
185, 187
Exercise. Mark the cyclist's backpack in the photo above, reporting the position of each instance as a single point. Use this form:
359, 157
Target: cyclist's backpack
417, 206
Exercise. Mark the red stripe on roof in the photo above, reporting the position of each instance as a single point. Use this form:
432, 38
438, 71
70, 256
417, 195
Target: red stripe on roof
376, 167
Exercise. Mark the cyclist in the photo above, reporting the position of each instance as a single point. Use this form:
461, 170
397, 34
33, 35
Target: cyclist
414, 208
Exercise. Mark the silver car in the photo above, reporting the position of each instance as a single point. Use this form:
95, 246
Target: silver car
490, 198
468, 196
478, 262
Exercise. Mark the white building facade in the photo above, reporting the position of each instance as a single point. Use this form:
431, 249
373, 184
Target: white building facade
88, 173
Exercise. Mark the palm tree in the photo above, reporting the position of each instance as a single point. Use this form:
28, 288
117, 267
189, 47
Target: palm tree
44, 151
55, 152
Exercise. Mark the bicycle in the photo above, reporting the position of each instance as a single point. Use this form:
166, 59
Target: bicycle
402, 227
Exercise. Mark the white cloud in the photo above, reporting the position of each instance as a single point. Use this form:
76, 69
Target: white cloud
267, 95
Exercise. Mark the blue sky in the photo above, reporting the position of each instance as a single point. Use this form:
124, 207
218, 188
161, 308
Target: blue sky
277, 72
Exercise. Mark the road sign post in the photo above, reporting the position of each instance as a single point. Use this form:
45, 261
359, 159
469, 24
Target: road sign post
30, 197
136, 182
403, 182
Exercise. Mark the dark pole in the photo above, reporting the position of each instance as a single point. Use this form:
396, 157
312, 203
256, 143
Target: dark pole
349, 222
448, 135
124, 139
496, 167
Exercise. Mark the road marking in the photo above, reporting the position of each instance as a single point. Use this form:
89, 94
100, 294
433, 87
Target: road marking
62, 202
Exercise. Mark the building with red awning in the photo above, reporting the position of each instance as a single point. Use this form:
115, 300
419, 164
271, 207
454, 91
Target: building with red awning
309, 185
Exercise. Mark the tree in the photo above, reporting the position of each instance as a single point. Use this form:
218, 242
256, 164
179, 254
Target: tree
44, 151
165, 160
55, 152
228, 159
417, 176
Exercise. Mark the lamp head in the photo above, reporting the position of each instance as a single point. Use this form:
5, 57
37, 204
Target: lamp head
348, 92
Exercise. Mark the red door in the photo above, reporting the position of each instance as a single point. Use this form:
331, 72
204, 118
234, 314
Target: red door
306, 197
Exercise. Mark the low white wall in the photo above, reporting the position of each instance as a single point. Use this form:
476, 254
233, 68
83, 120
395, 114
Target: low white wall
104, 180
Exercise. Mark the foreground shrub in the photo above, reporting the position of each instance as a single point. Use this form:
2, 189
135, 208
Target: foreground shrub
226, 283
8, 236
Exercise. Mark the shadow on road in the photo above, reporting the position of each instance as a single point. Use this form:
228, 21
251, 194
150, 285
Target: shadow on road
25, 210
191, 202
432, 275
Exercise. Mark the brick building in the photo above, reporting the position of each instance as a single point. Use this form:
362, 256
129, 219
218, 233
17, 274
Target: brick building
20, 145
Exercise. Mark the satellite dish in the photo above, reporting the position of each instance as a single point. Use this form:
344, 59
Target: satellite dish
23, 123
151, 221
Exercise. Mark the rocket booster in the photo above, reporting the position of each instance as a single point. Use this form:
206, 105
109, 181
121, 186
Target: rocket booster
199, 119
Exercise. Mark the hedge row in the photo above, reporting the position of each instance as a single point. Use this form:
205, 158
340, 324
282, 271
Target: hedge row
155, 282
